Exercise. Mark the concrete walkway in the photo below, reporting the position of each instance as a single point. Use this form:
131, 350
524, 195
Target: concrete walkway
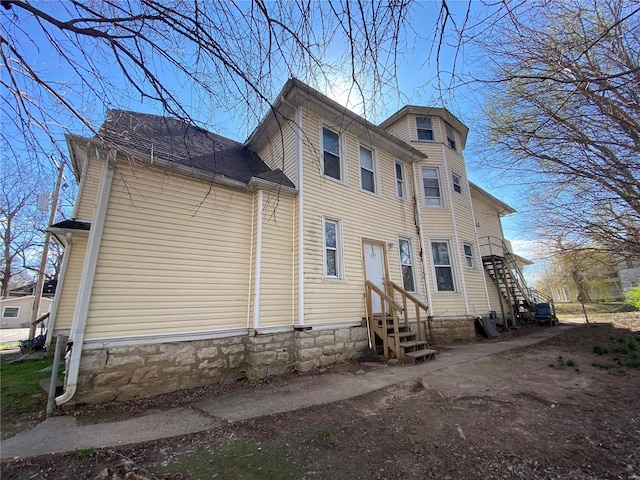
64, 434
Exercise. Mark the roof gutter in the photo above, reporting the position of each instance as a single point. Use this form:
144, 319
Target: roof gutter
81, 312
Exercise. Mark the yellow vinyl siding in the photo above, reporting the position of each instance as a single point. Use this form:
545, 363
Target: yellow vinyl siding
89, 189
174, 257
69, 291
362, 214
276, 296
279, 152
438, 224
400, 129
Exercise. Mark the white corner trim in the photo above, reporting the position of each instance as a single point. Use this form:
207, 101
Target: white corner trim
79, 322
300, 168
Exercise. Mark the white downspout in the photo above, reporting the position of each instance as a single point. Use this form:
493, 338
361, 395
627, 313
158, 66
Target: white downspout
56, 299
256, 294
300, 175
425, 276
253, 209
81, 312
456, 250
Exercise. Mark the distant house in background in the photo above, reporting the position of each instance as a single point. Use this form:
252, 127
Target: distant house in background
48, 290
612, 284
191, 258
16, 311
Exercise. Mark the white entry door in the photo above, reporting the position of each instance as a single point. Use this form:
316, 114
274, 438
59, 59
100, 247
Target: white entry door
374, 265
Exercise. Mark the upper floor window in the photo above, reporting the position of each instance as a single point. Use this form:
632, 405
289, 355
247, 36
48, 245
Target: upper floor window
367, 170
431, 186
468, 255
443, 266
425, 128
451, 136
331, 154
457, 182
400, 183
332, 248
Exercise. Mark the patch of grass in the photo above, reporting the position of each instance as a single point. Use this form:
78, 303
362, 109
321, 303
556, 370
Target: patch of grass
9, 345
85, 452
571, 363
20, 392
237, 459
600, 350
19, 383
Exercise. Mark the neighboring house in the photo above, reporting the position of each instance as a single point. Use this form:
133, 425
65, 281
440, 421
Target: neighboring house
17, 311
48, 289
191, 258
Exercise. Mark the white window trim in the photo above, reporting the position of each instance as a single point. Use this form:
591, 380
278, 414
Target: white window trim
433, 133
4, 310
341, 154
424, 197
413, 264
404, 181
376, 170
453, 183
339, 251
472, 257
451, 265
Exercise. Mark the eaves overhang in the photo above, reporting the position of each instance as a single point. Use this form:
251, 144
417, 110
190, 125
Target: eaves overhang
296, 94
76, 141
502, 208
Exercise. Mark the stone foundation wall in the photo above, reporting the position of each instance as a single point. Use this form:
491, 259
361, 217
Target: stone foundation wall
451, 330
128, 372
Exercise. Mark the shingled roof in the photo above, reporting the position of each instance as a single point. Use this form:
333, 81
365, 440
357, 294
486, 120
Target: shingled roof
174, 141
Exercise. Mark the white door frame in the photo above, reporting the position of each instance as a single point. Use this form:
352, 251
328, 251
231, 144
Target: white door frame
375, 299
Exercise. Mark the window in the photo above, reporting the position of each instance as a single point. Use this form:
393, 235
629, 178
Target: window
425, 128
431, 185
457, 183
468, 255
331, 149
451, 136
367, 170
406, 261
332, 248
442, 266
400, 186
10, 312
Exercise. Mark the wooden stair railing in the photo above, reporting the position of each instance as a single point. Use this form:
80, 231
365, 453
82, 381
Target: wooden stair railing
393, 309
422, 334
396, 337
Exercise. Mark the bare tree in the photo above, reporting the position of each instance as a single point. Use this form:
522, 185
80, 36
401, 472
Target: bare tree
189, 58
563, 90
21, 227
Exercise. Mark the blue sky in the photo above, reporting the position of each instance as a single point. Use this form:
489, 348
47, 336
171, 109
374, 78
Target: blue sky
416, 81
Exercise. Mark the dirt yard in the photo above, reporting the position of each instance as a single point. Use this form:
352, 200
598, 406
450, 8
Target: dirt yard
568, 408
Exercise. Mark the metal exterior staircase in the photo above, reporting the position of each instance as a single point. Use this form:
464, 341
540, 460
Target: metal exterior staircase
517, 300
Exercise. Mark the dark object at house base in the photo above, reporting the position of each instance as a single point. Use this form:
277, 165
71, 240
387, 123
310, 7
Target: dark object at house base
487, 327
